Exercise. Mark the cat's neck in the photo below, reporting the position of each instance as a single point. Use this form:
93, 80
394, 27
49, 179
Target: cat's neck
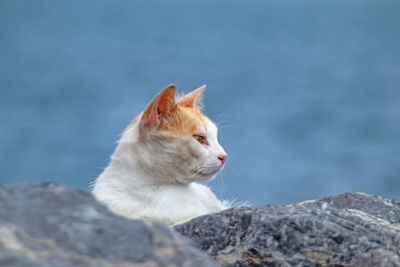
125, 168
132, 164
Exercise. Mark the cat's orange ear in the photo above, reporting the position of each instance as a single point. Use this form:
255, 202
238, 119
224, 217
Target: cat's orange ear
161, 106
193, 98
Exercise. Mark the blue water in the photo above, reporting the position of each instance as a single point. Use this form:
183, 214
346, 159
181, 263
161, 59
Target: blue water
306, 93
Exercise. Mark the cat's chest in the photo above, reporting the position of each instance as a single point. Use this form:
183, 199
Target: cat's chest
180, 194
186, 201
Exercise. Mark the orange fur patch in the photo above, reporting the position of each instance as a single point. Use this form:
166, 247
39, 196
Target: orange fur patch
174, 118
185, 121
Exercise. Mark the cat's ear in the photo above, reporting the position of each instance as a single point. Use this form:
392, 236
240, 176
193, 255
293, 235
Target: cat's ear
193, 98
161, 106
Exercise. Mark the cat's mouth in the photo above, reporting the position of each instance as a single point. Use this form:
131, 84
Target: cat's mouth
206, 173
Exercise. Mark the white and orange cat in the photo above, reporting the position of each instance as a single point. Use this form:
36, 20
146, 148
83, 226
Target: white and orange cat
159, 159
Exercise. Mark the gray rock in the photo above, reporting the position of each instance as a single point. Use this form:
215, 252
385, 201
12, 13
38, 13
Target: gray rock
353, 229
50, 225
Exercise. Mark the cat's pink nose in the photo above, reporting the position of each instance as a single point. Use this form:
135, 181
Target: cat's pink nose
222, 158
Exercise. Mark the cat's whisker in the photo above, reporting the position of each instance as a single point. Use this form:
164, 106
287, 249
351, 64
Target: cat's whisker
235, 172
224, 127
222, 185
221, 123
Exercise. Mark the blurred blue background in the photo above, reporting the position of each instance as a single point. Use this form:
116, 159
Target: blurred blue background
306, 93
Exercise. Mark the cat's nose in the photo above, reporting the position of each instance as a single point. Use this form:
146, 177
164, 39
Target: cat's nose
222, 158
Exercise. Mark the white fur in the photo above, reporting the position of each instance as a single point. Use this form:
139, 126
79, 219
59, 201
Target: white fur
155, 178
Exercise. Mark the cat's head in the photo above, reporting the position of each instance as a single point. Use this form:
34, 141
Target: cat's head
175, 141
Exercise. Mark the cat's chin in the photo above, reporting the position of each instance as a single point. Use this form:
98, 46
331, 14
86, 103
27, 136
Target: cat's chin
205, 175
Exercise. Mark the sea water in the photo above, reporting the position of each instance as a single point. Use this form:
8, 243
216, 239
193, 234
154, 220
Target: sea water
306, 93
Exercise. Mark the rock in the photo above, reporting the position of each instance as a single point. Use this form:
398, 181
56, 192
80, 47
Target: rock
50, 225
353, 229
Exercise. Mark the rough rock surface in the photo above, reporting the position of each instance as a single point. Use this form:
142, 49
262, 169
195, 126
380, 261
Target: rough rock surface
353, 229
50, 225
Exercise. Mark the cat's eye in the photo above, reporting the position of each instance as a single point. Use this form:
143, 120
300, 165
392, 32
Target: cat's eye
201, 139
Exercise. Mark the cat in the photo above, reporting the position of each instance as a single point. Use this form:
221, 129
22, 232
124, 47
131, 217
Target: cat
159, 160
